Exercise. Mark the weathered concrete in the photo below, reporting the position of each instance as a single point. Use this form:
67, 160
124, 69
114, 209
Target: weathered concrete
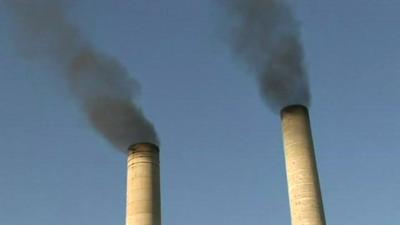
143, 186
303, 184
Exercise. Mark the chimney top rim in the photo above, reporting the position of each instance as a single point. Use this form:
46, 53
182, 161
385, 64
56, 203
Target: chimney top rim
151, 146
292, 107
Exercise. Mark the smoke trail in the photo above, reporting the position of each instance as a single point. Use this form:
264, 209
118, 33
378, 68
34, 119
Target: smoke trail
266, 38
102, 85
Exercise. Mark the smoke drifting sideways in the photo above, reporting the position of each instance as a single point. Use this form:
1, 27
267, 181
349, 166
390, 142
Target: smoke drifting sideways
102, 85
266, 38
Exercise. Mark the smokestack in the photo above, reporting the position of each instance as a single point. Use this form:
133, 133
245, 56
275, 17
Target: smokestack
266, 37
304, 189
143, 206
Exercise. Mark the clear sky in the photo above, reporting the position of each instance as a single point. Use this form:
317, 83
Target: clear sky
222, 157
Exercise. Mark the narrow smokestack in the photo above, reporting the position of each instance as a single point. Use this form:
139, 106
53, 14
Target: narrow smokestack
266, 37
304, 189
143, 206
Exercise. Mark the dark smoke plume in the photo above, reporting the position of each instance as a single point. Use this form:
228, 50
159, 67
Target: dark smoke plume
101, 84
267, 39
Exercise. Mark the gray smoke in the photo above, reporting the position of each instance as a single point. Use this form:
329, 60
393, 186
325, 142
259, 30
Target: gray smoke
267, 39
102, 85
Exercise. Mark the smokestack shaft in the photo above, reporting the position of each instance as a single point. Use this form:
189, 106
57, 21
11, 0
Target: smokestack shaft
303, 184
143, 186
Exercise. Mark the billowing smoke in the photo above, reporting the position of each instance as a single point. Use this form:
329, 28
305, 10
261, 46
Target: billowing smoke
267, 39
101, 84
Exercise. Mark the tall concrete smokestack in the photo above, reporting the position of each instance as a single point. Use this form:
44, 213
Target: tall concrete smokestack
301, 168
143, 206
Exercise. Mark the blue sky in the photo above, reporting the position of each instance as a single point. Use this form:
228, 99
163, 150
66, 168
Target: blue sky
222, 157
